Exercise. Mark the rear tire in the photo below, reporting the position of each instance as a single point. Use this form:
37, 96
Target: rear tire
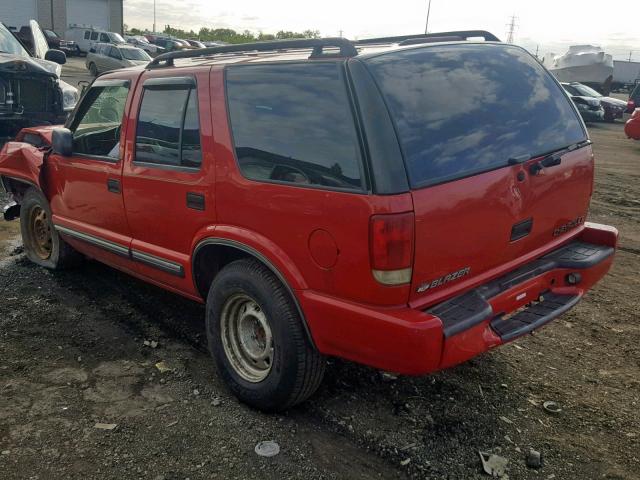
93, 69
42, 243
258, 340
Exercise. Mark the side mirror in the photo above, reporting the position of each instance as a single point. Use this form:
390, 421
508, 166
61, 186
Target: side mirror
57, 56
62, 141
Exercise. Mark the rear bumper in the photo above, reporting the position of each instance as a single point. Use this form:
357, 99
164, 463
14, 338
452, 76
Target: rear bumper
415, 342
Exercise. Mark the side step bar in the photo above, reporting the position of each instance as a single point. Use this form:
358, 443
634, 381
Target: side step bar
551, 306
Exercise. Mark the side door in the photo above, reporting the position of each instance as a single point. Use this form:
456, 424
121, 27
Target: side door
168, 174
112, 58
85, 188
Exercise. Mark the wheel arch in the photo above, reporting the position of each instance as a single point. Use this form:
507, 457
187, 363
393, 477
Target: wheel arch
212, 254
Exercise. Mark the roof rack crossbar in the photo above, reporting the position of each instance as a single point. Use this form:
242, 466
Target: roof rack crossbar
316, 44
463, 34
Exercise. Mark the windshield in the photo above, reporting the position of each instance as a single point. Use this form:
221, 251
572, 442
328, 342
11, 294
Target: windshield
510, 106
9, 44
116, 38
587, 91
134, 54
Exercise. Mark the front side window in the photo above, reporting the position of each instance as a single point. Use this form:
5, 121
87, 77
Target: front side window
97, 124
104, 38
168, 131
114, 53
293, 123
462, 109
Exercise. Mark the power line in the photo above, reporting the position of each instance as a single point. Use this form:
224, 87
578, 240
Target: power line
512, 28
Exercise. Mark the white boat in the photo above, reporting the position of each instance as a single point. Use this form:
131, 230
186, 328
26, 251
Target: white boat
586, 64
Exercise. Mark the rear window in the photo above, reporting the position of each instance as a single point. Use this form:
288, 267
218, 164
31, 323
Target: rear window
465, 109
293, 123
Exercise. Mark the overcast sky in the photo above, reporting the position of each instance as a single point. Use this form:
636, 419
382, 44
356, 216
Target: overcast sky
551, 24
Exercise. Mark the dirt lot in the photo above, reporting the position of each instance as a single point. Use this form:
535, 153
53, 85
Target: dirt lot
72, 355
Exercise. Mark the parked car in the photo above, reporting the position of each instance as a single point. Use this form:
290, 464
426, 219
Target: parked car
53, 41
86, 37
634, 99
104, 57
410, 234
144, 44
69, 47
170, 44
632, 127
31, 91
195, 43
613, 107
214, 44
590, 108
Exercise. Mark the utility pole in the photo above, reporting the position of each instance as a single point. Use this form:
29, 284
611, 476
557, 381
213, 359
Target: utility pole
340, 35
630, 53
154, 16
426, 27
512, 28
537, 48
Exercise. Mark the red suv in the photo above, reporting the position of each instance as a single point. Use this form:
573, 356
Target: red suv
327, 198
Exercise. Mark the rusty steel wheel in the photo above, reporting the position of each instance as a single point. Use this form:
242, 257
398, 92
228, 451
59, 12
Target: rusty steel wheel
40, 231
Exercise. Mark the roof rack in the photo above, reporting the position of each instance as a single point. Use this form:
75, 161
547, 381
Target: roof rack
431, 37
317, 44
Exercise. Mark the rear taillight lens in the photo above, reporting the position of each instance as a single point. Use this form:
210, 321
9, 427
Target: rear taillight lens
391, 246
631, 105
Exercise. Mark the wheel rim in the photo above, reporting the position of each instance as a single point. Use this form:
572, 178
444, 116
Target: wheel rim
247, 338
40, 229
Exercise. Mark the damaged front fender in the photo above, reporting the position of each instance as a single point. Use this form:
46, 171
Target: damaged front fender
21, 164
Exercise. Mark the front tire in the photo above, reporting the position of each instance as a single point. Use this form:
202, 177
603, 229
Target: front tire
93, 69
42, 243
258, 340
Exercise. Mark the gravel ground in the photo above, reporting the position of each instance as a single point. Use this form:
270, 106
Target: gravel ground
73, 355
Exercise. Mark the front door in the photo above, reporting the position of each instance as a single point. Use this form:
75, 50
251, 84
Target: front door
86, 188
168, 176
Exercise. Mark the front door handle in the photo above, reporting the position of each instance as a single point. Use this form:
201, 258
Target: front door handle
113, 185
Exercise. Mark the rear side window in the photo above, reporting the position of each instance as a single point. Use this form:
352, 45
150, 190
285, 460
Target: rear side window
465, 109
87, 34
168, 131
293, 123
94, 35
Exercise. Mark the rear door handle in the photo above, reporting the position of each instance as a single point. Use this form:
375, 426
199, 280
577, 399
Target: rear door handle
113, 185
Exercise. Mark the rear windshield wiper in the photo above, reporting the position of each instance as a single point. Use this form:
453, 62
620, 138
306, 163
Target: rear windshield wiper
549, 160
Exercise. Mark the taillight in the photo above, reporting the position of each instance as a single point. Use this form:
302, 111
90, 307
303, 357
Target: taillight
391, 246
631, 105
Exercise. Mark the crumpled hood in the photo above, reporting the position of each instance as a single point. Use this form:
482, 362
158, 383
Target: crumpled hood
18, 64
614, 101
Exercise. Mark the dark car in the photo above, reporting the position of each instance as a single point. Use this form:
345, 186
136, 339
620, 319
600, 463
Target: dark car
170, 44
31, 91
195, 43
328, 198
613, 107
55, 41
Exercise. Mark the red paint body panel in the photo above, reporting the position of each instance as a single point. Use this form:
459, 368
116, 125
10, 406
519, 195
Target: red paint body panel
632, 127
467, 223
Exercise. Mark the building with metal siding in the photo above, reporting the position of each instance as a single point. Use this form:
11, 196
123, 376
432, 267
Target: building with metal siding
58, 15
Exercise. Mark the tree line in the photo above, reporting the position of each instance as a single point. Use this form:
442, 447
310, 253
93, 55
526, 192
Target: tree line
228, 35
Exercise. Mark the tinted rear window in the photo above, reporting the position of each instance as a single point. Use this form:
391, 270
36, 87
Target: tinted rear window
464, 109
293, 123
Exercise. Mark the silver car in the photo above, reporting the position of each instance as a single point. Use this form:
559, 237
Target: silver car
104, 57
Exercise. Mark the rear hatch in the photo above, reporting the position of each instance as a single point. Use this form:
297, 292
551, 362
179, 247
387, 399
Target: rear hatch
498, 160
